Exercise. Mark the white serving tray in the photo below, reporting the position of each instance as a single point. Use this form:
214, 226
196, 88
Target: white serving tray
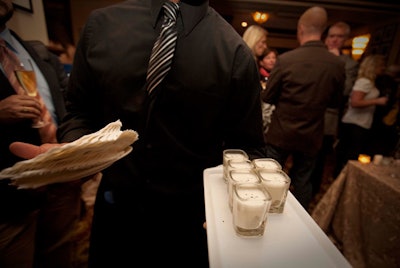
292, 239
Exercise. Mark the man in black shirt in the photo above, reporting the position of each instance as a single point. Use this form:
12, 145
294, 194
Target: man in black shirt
150, 205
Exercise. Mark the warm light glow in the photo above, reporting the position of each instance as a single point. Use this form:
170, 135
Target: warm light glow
358, 51
359, 43
361, 39
244, 24
363, 158
260, 17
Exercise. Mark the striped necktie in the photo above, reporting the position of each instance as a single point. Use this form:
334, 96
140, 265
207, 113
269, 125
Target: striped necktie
164, 48
10, 62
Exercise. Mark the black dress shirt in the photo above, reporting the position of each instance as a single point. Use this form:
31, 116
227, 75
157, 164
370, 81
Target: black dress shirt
208, 101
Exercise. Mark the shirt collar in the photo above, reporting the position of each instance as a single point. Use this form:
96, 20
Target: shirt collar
191, 15
314, 43
6, 35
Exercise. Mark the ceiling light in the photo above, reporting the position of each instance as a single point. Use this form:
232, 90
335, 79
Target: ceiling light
260, 17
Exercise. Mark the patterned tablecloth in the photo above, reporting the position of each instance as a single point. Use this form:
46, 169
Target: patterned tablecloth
360, 212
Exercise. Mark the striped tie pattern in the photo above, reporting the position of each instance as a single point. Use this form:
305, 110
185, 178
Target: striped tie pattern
164, 48
10, 63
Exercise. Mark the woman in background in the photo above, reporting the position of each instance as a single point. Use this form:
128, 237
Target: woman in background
266, 62
357, 120
256, 39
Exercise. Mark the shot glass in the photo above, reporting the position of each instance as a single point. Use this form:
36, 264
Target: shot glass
240, 176
277, 183
232, 154
377, 160
267, 163
251, 203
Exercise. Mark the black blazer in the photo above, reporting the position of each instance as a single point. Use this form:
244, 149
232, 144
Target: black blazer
57, 80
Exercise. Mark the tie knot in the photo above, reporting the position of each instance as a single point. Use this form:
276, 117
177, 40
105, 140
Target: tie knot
171, 10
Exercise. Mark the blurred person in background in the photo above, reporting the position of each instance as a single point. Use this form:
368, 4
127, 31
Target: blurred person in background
36, 225
302, 84
57, 15
337, 35
266, 61
335, 40
358, 118
255, 37
385, 128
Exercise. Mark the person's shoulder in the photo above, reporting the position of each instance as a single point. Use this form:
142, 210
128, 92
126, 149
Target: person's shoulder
333, 60
220, 24
221, 30
362, 84
104, 21
338, 61
40, 48
121, 8
363, 80
288, 54
349, 61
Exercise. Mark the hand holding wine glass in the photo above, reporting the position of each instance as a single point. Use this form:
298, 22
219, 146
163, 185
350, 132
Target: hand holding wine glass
27, 79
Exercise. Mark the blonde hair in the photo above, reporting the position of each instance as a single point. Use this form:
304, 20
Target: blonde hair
252, 35
369, 66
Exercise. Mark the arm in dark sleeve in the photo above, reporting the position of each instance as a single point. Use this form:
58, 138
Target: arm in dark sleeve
244, 127
81, 97
61, 74
339, 82
351, 69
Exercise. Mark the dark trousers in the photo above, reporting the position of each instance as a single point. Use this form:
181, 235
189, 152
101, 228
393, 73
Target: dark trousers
299, 173
352, 142
149, 226
318, 172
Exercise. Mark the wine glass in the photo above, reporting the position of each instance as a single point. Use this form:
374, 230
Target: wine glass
27, 79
